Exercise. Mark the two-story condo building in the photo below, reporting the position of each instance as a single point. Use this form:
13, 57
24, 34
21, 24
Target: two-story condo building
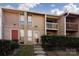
26, 27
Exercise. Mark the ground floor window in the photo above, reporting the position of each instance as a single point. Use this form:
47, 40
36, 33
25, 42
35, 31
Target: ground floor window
22, 35
29, 35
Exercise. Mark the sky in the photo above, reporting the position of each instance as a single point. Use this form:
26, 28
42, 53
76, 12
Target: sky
51, 8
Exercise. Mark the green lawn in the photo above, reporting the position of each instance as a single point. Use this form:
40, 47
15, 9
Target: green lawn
26, 50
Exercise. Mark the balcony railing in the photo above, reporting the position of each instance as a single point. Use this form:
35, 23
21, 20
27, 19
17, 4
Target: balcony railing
71, 26
51, 26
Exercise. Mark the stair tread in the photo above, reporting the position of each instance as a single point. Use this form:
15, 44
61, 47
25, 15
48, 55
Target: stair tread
39, 52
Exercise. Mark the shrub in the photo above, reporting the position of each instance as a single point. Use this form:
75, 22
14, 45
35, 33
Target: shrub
59, 42
6, 46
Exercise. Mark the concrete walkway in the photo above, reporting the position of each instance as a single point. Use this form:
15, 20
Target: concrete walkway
38, 50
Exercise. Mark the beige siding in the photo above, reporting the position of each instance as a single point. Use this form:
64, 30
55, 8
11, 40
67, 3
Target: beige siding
77, 22
61, 25
38, 20
11, 22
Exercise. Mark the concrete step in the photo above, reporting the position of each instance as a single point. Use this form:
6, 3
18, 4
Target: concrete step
40, 55
39, 52
37, 46
38, 49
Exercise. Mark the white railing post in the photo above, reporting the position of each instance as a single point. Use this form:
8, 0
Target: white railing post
65, 26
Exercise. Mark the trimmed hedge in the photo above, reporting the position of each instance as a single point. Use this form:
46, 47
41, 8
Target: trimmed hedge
7, 46
60, 41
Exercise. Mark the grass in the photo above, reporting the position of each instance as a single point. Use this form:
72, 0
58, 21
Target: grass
26, 50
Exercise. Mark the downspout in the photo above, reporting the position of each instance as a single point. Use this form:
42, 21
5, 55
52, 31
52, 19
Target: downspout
65, 23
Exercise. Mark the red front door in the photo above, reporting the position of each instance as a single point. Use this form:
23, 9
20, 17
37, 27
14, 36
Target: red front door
15, 35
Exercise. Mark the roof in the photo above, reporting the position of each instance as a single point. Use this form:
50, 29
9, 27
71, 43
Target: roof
42, 13
35, 12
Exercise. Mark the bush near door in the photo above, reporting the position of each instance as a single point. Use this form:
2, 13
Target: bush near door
7, 46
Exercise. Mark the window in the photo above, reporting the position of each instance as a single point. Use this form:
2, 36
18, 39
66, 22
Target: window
22, 36
29, 38
29, 35
21, 19
29, 20
22, 33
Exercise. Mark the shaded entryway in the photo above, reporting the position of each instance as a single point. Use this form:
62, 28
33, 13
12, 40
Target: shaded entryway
36, 36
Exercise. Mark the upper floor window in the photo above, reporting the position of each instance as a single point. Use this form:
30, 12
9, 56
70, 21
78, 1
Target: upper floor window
29, 20
22, 19
29, 35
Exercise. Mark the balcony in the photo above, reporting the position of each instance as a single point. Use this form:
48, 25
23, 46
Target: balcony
71, 26
51, 26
